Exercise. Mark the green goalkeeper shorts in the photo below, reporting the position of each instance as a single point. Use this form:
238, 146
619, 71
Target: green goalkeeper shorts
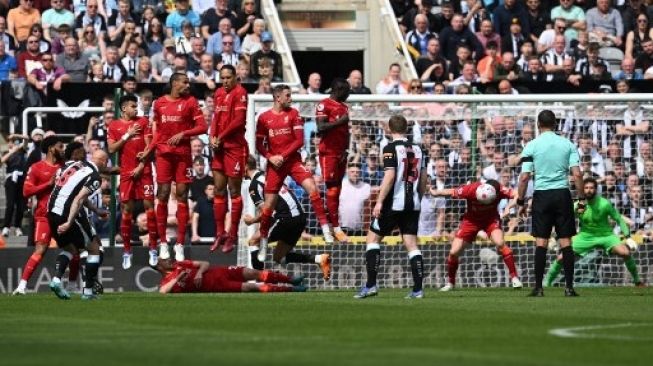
583, 243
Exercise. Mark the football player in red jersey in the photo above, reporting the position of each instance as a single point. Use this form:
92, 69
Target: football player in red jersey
200, 276
279, 136
130, 136
39, 183
332, 115
229, 155
176, 118
479, 217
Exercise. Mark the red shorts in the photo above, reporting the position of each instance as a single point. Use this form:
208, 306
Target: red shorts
42, 233
231, 161
224, 279
469, 229
141, 188
333, 168
174, 167
274, 177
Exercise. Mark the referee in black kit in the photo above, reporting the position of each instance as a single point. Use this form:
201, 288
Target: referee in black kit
549, 158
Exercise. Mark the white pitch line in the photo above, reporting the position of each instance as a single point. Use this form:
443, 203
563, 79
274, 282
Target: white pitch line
575, 332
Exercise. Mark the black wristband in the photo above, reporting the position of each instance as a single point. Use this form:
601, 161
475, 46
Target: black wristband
520, 201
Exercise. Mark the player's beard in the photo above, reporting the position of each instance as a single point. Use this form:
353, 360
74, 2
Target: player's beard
591, 196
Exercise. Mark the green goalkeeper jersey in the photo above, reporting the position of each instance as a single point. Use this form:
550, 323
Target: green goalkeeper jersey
595, 220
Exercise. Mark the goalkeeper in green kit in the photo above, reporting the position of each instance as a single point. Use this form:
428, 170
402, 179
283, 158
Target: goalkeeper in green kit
596, 232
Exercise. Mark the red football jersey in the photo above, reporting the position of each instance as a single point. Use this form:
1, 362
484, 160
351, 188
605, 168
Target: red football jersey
133, 146
477, 211
37, 183
186, 283
230, 116
335, 141
172, 117
279, 129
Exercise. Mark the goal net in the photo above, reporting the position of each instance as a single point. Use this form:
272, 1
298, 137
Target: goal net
467, 138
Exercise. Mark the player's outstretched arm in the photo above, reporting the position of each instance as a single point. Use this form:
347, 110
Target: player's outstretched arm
618, 218
447, 192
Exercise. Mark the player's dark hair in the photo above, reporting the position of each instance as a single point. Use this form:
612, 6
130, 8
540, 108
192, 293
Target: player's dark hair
398, 124
279, 89
340, 89
494, 183
230, 68
128, 98
176, 77
129, 78
70, 149
546, 119
49, 142
199, 160
591, 180
251, 162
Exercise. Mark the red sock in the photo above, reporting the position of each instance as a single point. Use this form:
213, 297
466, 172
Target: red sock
318, 207
274, 288
73, 268
333, 203
509, 260
452, 268
162, 219
151, 227
33, 262
220, 212
126, 231
236, 212
182, 222
266, 217
272, 277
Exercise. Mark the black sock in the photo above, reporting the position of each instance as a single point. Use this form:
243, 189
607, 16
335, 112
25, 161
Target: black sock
568, 265
417, 267
372, 264
256, 264
293, 257
90, 270
61, 264
540, 263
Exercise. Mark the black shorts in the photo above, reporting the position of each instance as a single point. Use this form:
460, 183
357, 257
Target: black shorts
79, 234
288, 230
406, 221
553, 208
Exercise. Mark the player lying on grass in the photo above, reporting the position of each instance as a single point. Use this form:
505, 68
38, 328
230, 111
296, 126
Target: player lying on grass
482, 214
596, 231
200, 276
288, 226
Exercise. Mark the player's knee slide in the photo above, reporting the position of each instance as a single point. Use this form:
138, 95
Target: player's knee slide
372, 246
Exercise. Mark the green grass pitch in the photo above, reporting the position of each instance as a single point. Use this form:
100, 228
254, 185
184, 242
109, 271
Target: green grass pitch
605, 326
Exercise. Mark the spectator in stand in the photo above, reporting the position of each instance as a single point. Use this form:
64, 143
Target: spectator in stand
547, 38
145, 101
432, 55
443, 19
622, 86
201, 179
203, 219
643, 155
37, 31
628, 71
638, 215
585, 148
555, 56
194, 57
455, 35
507, 70
418, 37
605, 25
463, 54
264, 86
588, 66
154, 37
266, 52
96, 74
214, 44
467, 76
539, 18
568, 73
228, 55
91, 45
437, 73
212, 17
266, 70
573, 15
527, 50
56, 16
8, 39
356, 83
176, 18
75, 64
474, 15
645, 60
242, 72
506, 88
245, 17
201, 6
180, 65
392, 83
423, 7
183, 42
144, 71
514, 39
252, 41
146, 14
128, 35
29, 59
401, 7
117, 20
207, 73
487, 34
630, 12
535, 72
39, 78
354, 198
632, 130
60, 34
637, 36
21, 19
112, 68
91, 17
504, 17
372, 172
15, 159
487, 65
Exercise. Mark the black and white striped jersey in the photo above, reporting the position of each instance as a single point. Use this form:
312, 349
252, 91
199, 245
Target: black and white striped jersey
584, 67
287, 206
550, 57
405, 158
70, 180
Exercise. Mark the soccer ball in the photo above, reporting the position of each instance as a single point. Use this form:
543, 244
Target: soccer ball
485, 194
